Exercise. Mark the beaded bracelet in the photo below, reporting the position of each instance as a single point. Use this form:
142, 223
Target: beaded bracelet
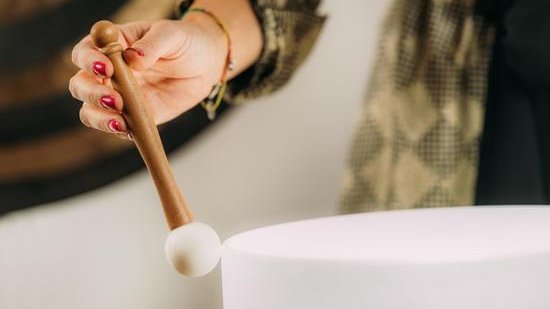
214, 99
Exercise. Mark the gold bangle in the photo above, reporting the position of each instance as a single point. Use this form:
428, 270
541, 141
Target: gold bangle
214, 99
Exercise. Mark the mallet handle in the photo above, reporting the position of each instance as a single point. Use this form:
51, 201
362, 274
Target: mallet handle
143, 128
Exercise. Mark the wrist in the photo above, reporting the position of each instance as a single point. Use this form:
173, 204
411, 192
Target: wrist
217, 41
239, 18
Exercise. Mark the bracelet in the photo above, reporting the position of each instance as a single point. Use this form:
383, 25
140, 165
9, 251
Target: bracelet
214, 99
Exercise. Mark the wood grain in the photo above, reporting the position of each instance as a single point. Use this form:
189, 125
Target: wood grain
143, 128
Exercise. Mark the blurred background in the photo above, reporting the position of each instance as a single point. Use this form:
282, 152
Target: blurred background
80, 222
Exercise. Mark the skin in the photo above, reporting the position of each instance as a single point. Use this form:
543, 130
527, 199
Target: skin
175, 62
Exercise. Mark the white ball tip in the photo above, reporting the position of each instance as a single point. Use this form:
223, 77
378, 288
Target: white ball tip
193, 249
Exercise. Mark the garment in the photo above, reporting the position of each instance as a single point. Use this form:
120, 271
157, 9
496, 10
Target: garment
417, 143
290, 29
515, 150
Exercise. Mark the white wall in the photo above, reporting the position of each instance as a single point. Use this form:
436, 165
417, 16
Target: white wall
276, 160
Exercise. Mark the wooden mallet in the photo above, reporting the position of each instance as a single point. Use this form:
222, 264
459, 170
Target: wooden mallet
193, 248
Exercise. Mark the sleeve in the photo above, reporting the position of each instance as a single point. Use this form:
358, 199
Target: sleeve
525, 42
290, 29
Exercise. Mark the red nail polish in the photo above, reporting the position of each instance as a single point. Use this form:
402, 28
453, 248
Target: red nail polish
114, 125
108, 101
99, 68
136, 50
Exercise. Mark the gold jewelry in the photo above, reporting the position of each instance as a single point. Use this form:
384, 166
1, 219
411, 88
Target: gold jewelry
214, 99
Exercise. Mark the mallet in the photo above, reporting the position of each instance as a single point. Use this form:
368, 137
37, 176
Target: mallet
192, 248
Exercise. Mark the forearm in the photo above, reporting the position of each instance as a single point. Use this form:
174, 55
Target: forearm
271, 38
243, 26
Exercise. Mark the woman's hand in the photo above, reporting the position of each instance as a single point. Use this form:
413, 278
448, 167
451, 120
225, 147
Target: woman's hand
176, 63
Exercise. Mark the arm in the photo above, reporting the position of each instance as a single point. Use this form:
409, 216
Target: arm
290, 29
244, 28
177, 62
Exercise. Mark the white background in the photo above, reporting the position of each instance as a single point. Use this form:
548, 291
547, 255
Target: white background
277, 159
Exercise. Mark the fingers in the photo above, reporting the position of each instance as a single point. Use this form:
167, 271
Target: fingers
86, 88
148, 43
104, 120
86, 56
153, 43
131, 32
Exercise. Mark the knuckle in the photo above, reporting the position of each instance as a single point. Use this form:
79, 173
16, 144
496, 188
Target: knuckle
129, 29
146, 45
94, 95
72, 86
74, 54
84, 117
164, 24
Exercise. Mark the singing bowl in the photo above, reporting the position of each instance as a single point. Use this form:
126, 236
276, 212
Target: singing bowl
469, 257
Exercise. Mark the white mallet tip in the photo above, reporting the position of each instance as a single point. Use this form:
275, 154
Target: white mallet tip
193, 249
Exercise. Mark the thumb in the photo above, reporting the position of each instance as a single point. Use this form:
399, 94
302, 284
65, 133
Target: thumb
161, 40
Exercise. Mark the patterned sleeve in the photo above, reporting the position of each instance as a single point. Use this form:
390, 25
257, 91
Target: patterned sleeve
290, 29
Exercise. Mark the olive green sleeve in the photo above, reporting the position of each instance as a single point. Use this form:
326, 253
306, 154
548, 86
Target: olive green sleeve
290, 29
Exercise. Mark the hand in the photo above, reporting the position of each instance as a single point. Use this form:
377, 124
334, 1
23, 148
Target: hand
176, 63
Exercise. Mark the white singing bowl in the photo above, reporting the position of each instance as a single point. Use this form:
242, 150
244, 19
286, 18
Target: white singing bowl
473, 257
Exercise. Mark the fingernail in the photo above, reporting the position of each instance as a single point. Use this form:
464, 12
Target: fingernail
108, 101
136, 50
114, 125
99, 68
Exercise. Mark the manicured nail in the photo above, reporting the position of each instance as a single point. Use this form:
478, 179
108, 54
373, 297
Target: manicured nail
114, 125
108, 101
136, 50
99, 68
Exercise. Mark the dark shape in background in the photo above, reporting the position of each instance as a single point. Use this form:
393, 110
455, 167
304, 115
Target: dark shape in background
35, 132
36, 39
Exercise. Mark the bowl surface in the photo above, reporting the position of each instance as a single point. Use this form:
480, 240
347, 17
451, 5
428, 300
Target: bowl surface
464, 257
410, 236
